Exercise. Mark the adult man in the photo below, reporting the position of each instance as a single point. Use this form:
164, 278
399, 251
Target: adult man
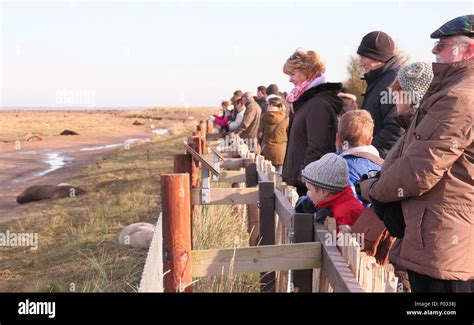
430, 171
249, 127
380, 66
261, 98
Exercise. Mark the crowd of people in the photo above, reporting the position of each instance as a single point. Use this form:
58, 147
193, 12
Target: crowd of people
406, 152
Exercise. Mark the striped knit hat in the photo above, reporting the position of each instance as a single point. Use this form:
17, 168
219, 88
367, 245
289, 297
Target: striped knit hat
330, 173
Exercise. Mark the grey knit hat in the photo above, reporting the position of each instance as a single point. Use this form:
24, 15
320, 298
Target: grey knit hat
330, 172
415, 79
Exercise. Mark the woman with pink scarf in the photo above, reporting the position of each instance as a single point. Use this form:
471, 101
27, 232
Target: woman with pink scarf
313, 119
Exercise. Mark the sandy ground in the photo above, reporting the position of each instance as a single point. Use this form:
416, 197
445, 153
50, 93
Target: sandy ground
31, 162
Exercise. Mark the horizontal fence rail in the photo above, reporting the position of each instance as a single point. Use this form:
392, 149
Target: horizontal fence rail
291, 253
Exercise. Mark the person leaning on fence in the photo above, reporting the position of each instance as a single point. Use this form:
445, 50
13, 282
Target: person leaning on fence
238, 113
237, 95
249, 127
430, 172
261, 97
328, 188
353, 141
313, 123
380, 66
223, 119
408, 90
272, 132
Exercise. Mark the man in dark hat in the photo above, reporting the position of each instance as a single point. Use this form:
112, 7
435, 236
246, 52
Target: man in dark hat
380, 66
430, 172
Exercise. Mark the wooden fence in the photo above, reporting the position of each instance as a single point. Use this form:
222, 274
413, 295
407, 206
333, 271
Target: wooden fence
291, 253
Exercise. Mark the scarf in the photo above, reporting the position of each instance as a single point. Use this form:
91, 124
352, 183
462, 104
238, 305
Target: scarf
302, 87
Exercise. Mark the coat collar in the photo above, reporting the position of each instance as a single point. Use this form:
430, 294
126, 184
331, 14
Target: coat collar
361, 149
337, 199
311, 92
443, 70
370, 76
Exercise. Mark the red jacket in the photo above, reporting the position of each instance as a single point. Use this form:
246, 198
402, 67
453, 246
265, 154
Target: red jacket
345, 208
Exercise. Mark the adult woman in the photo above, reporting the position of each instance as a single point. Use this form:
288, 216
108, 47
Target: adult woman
272, 131
408, 90
225, 118
313, 120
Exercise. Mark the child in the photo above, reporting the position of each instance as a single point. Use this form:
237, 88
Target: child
328, 187
353, 139
349, 100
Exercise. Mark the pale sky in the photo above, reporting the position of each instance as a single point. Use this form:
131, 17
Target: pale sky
196, 53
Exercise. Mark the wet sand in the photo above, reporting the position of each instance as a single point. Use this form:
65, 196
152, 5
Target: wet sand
52, 161
55, 159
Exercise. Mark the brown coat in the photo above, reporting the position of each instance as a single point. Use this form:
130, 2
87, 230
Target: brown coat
430, 169
273, 128
249, 126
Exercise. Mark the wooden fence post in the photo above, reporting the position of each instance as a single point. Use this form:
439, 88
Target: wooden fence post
302, 233
183, 163
267, 228
252, 209
209, 127
203, 129
176, 206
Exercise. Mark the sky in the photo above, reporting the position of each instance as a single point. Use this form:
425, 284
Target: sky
189, 53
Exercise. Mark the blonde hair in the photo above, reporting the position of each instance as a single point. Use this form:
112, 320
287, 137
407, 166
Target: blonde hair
356, 127
307, 62
225, 103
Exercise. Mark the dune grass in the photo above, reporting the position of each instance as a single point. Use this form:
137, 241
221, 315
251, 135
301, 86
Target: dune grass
78, 247
223, 226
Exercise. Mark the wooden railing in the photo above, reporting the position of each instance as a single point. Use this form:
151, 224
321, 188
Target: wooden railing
290, 251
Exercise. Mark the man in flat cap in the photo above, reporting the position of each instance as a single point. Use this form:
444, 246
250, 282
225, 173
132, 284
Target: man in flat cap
430, 172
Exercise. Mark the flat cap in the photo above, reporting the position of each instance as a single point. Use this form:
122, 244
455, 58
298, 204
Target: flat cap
463, 25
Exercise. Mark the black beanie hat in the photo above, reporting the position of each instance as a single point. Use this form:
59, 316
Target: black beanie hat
377, 45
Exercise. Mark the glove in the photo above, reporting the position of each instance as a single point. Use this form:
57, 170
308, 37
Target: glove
321, 215
304, 205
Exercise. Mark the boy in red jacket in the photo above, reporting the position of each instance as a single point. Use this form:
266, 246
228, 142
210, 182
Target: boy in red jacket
328, 187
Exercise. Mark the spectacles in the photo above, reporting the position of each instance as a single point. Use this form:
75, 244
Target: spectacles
438, 46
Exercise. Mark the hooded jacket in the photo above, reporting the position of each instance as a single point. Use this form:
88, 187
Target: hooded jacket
345, 208
273, 127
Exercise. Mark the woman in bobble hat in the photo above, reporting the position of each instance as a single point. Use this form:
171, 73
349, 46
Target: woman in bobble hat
409, 88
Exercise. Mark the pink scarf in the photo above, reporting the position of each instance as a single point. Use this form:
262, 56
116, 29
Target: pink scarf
302, 87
